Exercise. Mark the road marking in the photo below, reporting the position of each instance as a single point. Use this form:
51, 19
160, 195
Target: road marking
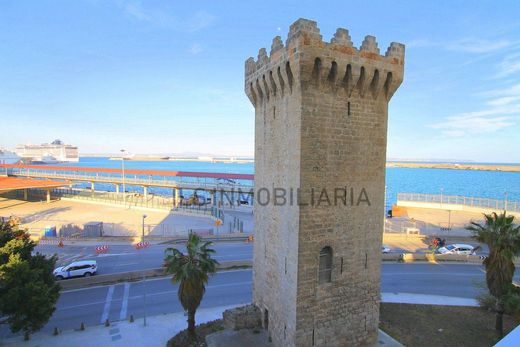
126, 264
108, 301
110, 255
207, 287
429, 274
124, 304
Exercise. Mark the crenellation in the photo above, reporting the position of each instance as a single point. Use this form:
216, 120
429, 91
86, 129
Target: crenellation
276, 45
395, 50
263, 59
304, 28
342, 37
370, 45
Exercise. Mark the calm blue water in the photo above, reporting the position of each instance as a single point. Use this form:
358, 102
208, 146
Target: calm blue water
486, 184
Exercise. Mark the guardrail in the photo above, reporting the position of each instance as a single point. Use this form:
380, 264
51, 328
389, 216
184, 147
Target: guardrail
441, 199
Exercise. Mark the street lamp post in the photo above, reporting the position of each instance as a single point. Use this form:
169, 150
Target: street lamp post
142, 236
144, 277
123, 175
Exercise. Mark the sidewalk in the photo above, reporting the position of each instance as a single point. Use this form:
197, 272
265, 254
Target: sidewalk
158, 331
424, 299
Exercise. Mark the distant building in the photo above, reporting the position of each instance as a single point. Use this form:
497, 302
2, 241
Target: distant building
8, 157
48, 153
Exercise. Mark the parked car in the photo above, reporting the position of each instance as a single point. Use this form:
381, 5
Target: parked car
385, 249
457, 248
83, 268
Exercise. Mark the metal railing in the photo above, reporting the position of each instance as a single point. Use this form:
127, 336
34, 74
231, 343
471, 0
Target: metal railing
486, 203
190, 183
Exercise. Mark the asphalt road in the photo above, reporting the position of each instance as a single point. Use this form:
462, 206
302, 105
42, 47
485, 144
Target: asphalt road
115, 302
122, 258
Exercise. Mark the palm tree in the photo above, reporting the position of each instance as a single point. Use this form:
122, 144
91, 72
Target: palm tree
503, 240
191, 271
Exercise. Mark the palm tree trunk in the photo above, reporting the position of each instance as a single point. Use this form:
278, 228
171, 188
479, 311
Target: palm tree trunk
191, 322
499, 327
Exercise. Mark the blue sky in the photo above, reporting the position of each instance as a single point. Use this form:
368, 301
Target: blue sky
167, 76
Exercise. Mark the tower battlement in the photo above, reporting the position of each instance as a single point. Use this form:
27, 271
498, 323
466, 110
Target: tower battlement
305, 57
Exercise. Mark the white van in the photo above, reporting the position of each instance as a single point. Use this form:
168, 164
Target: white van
83, 268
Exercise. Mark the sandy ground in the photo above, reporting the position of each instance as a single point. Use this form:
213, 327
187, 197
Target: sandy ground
38, 215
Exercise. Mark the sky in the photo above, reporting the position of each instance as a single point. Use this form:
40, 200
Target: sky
162, 77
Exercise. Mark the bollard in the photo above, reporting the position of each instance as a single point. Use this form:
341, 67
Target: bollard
56, 331
82, 326
107, 323
131, 318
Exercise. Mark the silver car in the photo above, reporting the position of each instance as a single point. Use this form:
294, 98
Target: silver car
457, 248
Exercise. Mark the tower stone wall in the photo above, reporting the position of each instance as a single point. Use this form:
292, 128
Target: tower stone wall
320, 153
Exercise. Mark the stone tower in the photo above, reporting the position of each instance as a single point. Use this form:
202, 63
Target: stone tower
320, 153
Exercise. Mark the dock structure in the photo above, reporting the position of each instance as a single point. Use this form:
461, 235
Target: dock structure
214, 183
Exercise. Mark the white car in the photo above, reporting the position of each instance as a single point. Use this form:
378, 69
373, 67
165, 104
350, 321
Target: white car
457, 248
83, 268
385, 249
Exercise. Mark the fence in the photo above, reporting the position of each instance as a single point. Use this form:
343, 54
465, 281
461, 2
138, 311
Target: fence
71, 230
112, 198
484, 203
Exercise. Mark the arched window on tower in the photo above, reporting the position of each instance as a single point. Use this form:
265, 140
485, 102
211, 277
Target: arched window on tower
325, 270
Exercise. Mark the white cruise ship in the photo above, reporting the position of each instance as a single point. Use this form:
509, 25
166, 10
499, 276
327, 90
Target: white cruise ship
48, 153
8, 157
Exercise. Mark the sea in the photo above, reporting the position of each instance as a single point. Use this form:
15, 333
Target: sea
470, 183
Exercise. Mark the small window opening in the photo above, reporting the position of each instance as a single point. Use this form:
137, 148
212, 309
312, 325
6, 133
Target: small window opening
348, 108
325, 268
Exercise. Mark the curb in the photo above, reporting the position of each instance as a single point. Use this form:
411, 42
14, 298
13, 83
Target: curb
429, 257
